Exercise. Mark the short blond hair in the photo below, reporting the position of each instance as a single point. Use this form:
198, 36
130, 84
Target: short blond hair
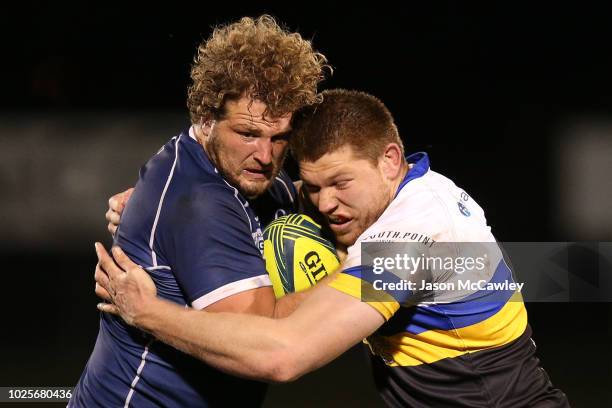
344, 118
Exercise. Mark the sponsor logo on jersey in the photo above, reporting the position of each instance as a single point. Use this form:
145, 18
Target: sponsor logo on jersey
258, 239
464, 210
391, 236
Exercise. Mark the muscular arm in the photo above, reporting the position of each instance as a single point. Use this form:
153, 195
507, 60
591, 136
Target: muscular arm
260, 301
264, 348
325, 325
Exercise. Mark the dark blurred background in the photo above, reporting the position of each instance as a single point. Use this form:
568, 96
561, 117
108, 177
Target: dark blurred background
512, 100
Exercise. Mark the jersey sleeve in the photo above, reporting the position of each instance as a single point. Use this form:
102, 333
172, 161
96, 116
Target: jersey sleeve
210, 247
353, 281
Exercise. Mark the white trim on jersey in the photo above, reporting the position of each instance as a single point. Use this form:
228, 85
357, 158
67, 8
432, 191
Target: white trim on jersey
161, 202
192, 133
143, 361
244, 205
155, 268
286, 188
231, 289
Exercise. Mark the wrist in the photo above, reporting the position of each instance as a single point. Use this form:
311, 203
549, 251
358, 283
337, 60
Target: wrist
149, 315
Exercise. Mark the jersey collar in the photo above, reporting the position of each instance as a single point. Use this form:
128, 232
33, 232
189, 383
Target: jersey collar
208, 164
420, 166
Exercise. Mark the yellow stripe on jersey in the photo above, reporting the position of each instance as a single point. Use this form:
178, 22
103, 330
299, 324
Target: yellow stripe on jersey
406, 349
384, 303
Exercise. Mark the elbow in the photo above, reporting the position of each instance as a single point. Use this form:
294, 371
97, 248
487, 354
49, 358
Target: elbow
283, 367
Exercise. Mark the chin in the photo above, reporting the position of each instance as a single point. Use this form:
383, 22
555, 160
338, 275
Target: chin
253, 189
350, 237
346, 239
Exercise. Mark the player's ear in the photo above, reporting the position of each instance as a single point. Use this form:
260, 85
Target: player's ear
391, 161
203, 130
206, 127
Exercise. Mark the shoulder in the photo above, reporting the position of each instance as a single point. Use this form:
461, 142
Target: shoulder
430, 207
210, 197
209, 206
419, 207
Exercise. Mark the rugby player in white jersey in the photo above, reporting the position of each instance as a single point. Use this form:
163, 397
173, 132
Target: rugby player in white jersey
461, 349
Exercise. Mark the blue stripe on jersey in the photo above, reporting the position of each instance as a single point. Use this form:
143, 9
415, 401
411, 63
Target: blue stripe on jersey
420, 165
473, 309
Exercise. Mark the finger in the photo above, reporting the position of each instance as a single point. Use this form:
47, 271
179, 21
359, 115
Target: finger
126, 195
115, 203
122, 259
112, 228
108, 308
112, 216
101, 278
107, 263
102, 293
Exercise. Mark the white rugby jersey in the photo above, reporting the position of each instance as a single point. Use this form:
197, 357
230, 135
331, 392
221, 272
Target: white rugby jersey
443, 345
430, 211
432, 219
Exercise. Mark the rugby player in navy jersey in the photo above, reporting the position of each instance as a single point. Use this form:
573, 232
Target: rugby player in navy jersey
194, 220
454, 348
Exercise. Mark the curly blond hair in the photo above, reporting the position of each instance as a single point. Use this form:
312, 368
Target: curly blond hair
259, 59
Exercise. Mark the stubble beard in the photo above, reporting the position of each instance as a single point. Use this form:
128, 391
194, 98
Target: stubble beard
249, 190
367, 219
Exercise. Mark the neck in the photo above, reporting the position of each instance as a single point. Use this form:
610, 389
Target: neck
199, 135
202, 139
401, 175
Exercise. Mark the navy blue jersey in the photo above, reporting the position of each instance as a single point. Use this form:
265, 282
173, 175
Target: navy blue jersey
201, 241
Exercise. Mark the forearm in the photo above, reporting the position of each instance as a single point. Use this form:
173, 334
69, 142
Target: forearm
289, 303
228, 344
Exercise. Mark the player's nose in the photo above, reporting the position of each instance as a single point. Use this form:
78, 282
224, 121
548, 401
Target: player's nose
327, 201
263, 152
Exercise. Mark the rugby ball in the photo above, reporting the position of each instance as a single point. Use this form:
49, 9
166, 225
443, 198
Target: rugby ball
297, 256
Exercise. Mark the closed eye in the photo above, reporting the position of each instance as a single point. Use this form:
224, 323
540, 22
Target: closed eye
282, 137
246, 134
342, 184
311, 188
